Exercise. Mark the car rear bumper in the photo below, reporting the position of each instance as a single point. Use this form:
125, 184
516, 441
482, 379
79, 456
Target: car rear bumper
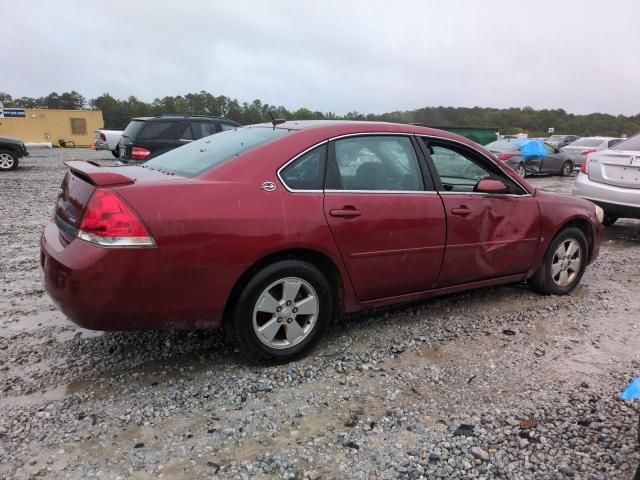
102, 145
618, 201
129, 288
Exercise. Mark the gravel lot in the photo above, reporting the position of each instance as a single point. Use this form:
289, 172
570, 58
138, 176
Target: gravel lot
498, 382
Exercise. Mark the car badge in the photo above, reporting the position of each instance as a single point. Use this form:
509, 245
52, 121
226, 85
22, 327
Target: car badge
632, 160
268, 186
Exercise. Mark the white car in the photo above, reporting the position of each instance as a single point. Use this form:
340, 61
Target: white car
108, 140
611, 179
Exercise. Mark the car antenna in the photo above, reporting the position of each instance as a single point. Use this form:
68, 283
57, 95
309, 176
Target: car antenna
275, 121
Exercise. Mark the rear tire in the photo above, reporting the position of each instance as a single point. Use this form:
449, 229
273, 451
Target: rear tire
116, 152
520, 170
609, 219
563, 264
8, 160
282, 312
567, 168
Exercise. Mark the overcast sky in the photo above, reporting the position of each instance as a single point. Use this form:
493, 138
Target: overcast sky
340, 56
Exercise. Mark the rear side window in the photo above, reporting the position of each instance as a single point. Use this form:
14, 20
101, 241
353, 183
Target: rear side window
204, 154
307, 171
613, 142
203, 129
161, 130
227, 126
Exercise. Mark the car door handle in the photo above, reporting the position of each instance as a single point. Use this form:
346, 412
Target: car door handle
462, 210
345, 212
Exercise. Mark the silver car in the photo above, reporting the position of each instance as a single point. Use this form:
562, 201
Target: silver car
582, 147
611, 179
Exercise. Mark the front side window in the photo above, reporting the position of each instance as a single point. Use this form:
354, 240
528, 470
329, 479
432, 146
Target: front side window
307, 171
372, 162
549, 148
460, 170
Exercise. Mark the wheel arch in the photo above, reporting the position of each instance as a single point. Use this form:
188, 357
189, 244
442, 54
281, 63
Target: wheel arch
321, 261
584, 226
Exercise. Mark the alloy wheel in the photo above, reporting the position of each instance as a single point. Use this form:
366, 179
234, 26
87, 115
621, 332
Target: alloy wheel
285, 313
566, 262
6, 161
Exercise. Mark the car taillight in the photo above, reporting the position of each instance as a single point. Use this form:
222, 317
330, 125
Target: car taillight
584, 168
586, 152
505, 156
109, 221
103, 138
139, 153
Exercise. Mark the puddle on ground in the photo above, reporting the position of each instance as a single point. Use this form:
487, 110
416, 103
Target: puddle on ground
47, 395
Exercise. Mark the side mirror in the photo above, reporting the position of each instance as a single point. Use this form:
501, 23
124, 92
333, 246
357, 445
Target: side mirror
491, 185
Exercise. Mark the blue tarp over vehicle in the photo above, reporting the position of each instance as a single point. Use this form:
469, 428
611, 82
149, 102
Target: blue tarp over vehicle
632, 391
531, 149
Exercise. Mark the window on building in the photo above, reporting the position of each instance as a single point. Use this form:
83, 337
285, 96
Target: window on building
78, 126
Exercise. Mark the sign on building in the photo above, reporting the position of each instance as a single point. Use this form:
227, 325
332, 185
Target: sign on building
12, 112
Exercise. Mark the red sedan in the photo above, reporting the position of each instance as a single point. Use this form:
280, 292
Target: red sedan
273, 230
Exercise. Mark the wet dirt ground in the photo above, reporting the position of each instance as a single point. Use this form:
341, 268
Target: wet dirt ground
384, 395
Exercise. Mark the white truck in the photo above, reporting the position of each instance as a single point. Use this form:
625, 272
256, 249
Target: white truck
108, 140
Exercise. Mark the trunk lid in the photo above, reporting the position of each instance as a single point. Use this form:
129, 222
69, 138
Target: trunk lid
80, 182
615, 167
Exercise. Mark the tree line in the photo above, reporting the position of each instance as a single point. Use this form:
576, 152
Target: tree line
118, 112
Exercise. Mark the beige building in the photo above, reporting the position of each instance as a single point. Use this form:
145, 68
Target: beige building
76, 127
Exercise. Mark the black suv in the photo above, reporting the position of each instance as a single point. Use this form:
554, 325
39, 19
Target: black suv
11, 149
148, 137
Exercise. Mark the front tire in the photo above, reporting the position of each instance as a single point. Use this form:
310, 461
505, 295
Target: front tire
563, 264
8, 160
567, 169
520, 170
281, 312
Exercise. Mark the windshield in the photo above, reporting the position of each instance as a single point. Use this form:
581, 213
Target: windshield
206, 153
586, 142
632, 143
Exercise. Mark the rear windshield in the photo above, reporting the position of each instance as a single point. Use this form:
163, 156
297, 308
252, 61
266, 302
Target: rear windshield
586, 142
503, 144
632, 143
201, 155
133, 128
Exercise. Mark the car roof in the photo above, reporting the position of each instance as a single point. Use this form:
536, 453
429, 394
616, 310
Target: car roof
182, 117
345, 127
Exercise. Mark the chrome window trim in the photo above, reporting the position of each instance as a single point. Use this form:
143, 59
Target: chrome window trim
304, 152
406, 134
419, 192
526, 194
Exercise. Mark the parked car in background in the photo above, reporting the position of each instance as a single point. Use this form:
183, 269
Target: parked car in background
108, 140
273, 230
611, 178
148, 137
582, 147
559, 141
554, 163
11, 151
